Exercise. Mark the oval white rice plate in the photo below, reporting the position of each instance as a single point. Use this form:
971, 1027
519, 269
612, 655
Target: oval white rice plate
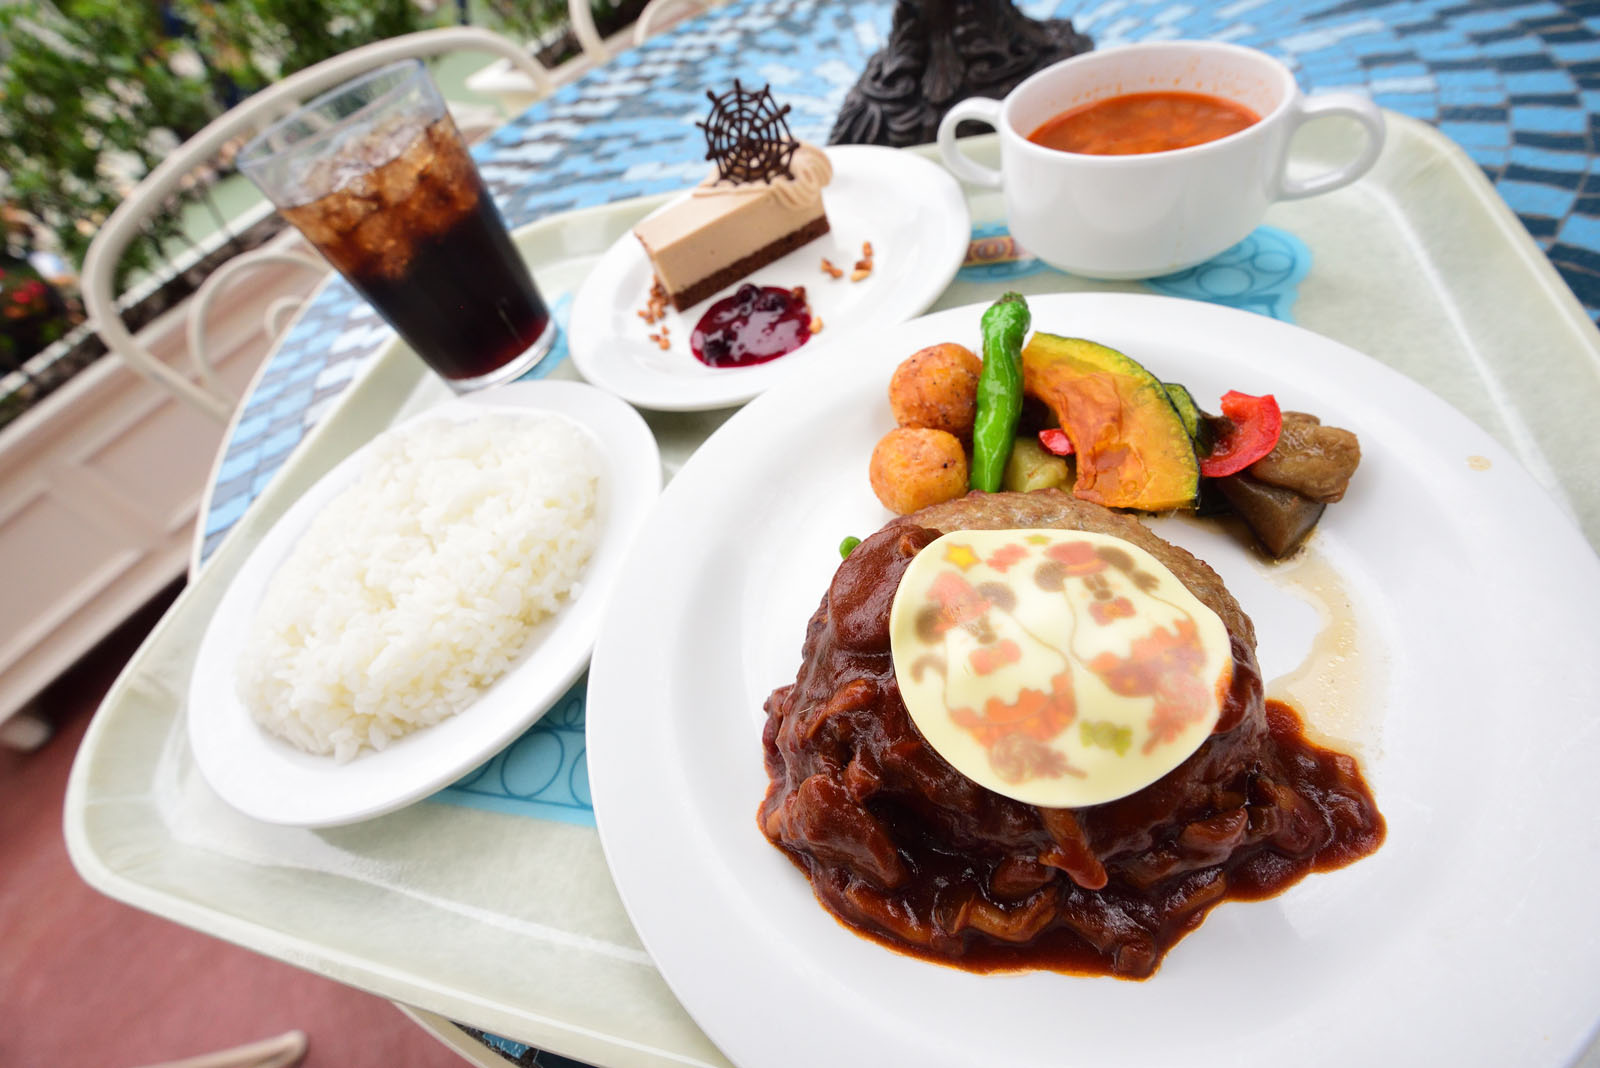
269, 779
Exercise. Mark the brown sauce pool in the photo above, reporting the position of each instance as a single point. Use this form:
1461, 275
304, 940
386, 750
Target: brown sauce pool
1139, 123
1180, 906
1328, 779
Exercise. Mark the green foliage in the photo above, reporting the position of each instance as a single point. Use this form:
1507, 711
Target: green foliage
253, 41
529, 19
86, 86
94, 92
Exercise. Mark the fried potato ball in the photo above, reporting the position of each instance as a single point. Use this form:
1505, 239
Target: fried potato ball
913, 467
937, 387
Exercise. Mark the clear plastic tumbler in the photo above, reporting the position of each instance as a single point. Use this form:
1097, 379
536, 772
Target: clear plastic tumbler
374, 173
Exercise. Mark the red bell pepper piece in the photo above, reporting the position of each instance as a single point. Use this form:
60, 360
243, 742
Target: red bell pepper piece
1252, 429
1056, 441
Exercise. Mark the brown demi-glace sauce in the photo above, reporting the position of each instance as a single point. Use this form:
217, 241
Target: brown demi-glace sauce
1138, 123
904, 849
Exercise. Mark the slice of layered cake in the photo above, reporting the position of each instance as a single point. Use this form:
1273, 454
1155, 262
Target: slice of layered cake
763, 201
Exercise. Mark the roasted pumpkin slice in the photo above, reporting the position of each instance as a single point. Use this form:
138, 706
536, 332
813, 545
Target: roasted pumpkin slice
1132, 448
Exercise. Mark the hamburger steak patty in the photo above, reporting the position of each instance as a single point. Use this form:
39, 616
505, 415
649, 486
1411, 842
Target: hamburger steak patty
1053, 508
905, 849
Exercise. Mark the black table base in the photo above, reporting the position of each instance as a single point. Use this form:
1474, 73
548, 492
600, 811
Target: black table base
941, 52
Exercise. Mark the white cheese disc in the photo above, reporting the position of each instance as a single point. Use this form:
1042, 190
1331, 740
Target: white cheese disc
1057, 667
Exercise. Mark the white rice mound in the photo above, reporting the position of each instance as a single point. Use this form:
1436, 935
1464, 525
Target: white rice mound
418, 585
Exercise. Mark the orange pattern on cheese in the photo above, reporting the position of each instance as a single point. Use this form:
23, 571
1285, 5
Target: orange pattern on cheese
1003, 640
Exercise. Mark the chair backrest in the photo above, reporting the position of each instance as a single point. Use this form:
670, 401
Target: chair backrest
581, 15
656, 16
307, 263
124, 225
659, 14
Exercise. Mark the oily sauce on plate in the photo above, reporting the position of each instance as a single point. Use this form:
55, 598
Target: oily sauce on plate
1139, 123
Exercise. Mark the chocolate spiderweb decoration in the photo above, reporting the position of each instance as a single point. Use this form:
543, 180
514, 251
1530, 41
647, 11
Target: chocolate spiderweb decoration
746, 135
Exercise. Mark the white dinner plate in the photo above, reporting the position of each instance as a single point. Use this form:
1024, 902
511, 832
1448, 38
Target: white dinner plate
1470, 937
910, 209
265, 777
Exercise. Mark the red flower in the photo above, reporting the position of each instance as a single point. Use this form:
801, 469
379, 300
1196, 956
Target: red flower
1078, 556
1003, 557
958, 602
991, 658
1105, 612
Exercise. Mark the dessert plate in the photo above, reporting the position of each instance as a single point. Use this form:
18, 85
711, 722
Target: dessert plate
269, 779
910, 209
1442, 605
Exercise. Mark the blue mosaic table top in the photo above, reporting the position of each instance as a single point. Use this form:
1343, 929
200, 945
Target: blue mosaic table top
1516, 84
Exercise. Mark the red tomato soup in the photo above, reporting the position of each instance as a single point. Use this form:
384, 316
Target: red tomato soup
1143, 122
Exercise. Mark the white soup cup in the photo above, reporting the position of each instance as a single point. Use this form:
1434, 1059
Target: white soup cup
1139, 216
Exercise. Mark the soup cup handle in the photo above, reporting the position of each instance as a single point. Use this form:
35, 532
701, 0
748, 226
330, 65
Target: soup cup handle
1350, 105
978, 109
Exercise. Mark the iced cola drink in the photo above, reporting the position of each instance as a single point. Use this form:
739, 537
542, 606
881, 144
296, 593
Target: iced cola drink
395, 203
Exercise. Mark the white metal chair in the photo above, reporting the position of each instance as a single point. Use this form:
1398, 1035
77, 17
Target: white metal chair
498, 80
581, 15
272, 318
659, 14
99, 265
284, 1051
656, 16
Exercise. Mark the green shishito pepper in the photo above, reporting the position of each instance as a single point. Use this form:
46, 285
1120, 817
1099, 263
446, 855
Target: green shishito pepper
1004, 326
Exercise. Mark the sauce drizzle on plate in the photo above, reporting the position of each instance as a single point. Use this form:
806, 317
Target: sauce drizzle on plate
756, 324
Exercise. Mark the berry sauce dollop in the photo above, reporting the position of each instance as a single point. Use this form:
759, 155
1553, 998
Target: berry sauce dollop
756, 324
